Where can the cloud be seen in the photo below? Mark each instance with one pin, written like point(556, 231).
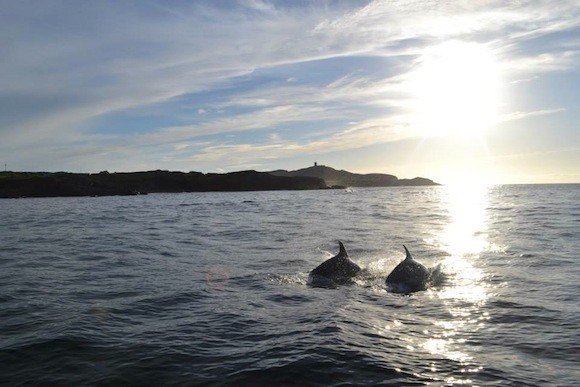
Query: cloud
point(358, 136)
point(543, 62)
point(274, 137)
point(349, 90)
point(104, 58)
point(525, 79)
point(67, 67)
point(257, 120)
point(258, 5)
point(521, 115)
point(180, 147)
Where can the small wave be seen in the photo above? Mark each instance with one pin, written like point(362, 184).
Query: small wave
point(192, 204)
point(92, 257)
point(316, 370)
point(160, 305)
point(285, 299)
point(513, 312)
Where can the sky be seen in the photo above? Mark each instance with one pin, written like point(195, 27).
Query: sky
point(454, 91)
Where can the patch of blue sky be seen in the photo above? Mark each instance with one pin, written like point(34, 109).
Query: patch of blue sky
point(555, 91)
point(565, 86)
point(130, 122)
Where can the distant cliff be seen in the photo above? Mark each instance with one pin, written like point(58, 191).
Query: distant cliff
point(334, 177)
point(29, 184)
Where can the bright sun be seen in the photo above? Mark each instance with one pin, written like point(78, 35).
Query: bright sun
point(455, 90)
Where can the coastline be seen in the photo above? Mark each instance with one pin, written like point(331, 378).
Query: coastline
point(65, 184)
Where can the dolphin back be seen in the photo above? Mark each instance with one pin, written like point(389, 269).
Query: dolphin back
point(338, 269)
point(408, 276)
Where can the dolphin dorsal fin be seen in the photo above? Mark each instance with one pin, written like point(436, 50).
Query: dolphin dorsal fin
point(342, 252)
point(408, 254)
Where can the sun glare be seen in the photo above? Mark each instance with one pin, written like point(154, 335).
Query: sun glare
point(465, 238)
point(455, 90)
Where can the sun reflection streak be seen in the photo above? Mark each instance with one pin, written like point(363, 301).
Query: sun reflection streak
point(466, 204)
point(460, 301)
point(464, 238)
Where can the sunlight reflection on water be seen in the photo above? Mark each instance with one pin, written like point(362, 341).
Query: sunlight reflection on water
point(464, 239)
point(466, 232)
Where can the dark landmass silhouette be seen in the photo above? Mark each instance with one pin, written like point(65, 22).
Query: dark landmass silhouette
point(27, 184)
point(334, 177)
point(47, 184)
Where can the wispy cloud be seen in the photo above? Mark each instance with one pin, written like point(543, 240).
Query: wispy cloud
point(256, 120)
point(260, 63)
point(357, 136)
point(521, 115)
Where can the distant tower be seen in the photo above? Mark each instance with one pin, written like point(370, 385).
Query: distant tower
point(315, 164)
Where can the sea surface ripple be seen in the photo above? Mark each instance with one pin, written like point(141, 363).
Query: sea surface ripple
point(210, 288)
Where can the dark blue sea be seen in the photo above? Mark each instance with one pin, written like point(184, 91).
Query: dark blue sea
point(210, 289)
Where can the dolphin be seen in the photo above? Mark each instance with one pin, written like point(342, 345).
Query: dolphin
point(336, 270)
point(409, 276)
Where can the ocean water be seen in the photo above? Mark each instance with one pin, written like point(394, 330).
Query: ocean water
point(211, 289)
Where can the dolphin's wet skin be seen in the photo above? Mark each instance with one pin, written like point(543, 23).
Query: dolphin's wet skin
point(408, 276)
point(338, 270)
